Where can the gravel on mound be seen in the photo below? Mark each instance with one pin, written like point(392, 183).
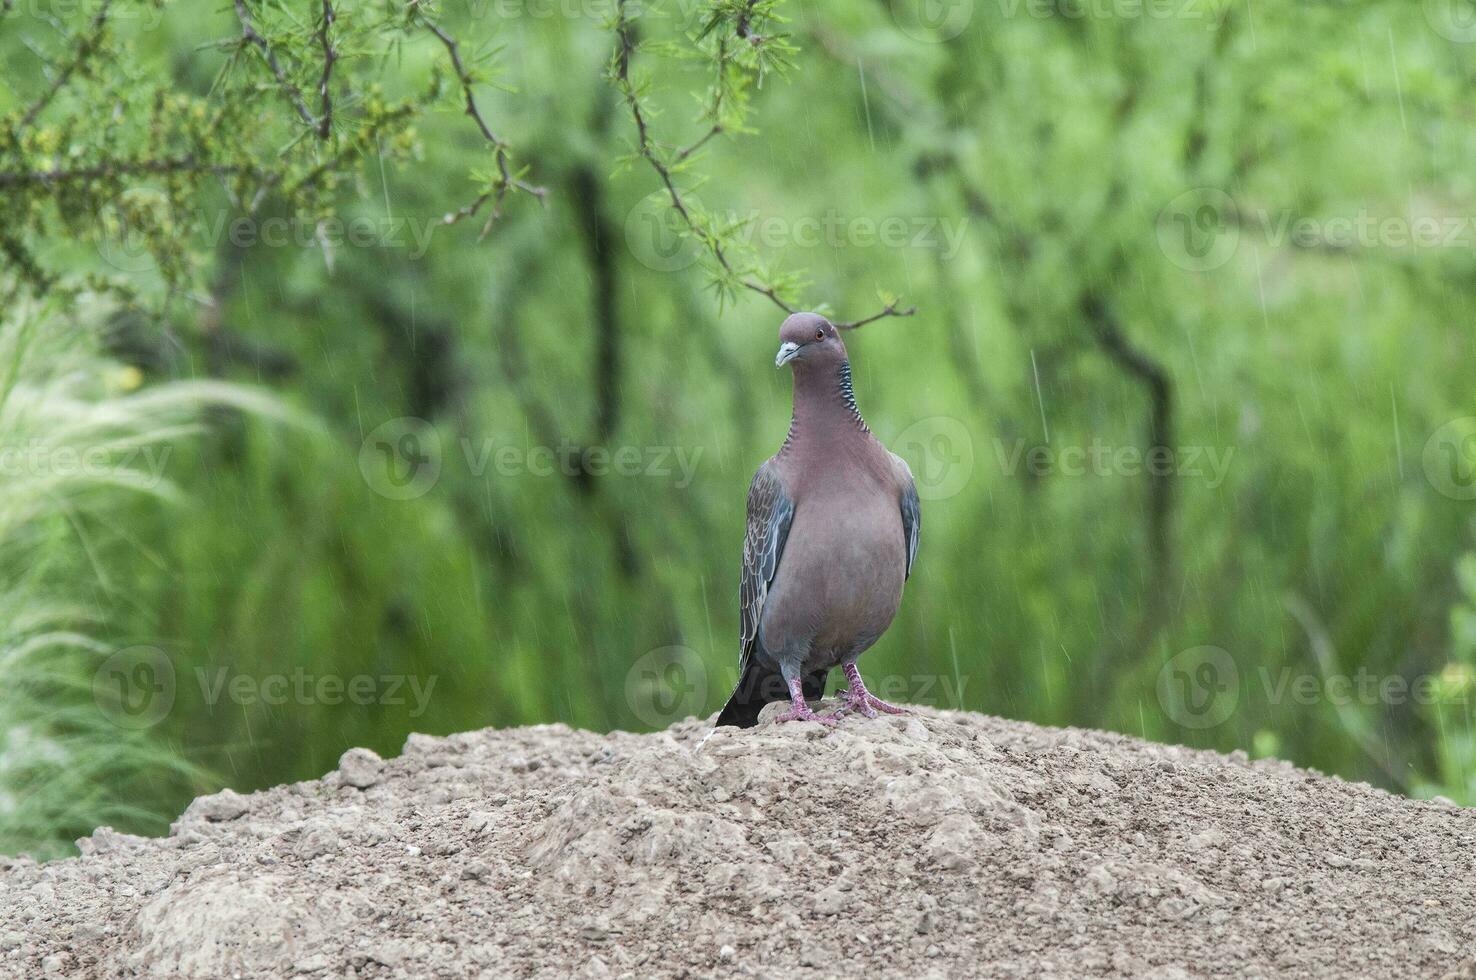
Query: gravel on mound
point(937, 844)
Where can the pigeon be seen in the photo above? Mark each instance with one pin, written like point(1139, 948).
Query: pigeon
point(833, 521)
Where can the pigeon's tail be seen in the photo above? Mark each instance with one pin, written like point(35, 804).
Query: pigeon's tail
point(760, 685)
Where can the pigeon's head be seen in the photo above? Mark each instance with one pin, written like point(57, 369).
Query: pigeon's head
point(809, 339)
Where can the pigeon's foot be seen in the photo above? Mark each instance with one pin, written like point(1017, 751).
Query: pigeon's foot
point(858, 699)
point(865, 704)
point(803, 712)
point(799, 710)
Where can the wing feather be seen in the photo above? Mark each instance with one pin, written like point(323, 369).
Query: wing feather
point(911, 516)
point(770, 514)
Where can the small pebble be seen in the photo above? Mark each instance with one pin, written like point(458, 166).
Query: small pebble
point(360, 768)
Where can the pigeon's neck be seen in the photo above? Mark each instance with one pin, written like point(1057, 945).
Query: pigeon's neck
point(824, 407)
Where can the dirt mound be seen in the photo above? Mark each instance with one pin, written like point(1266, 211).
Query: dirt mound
point(938, 844)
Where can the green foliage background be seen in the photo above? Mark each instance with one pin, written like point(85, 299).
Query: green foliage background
point(1146, 199)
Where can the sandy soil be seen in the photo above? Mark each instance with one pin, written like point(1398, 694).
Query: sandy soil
point(939, 844)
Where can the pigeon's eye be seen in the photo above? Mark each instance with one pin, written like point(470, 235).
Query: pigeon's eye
point(820, 334)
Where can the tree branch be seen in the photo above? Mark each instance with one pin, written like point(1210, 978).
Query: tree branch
point(1107, 331)
point(626, 45)
point(599, 241)
point(250, 35)
point(330, 55)
point(125, 168)
point(889, 310)
point(85, 48)
point(505, 177)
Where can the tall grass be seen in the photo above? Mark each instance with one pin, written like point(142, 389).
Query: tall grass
point(80, 443)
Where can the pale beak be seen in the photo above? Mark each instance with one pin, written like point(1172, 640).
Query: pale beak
point(788, 351)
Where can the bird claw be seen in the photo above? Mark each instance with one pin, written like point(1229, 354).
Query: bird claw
point(805, 713)
point(866, 704)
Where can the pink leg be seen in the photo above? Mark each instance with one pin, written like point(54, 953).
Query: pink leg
point(798, 709)
point(857, 698)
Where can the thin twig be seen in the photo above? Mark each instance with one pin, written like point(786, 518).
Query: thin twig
point(127, 168)
point(250, 35)
point(499, 149)
point(85, 48)
point(467, 210)
point(347, 148)
point(683, 154)
point(889, 310)
point(330, 55)
point(715, 110)
point(646, 149)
